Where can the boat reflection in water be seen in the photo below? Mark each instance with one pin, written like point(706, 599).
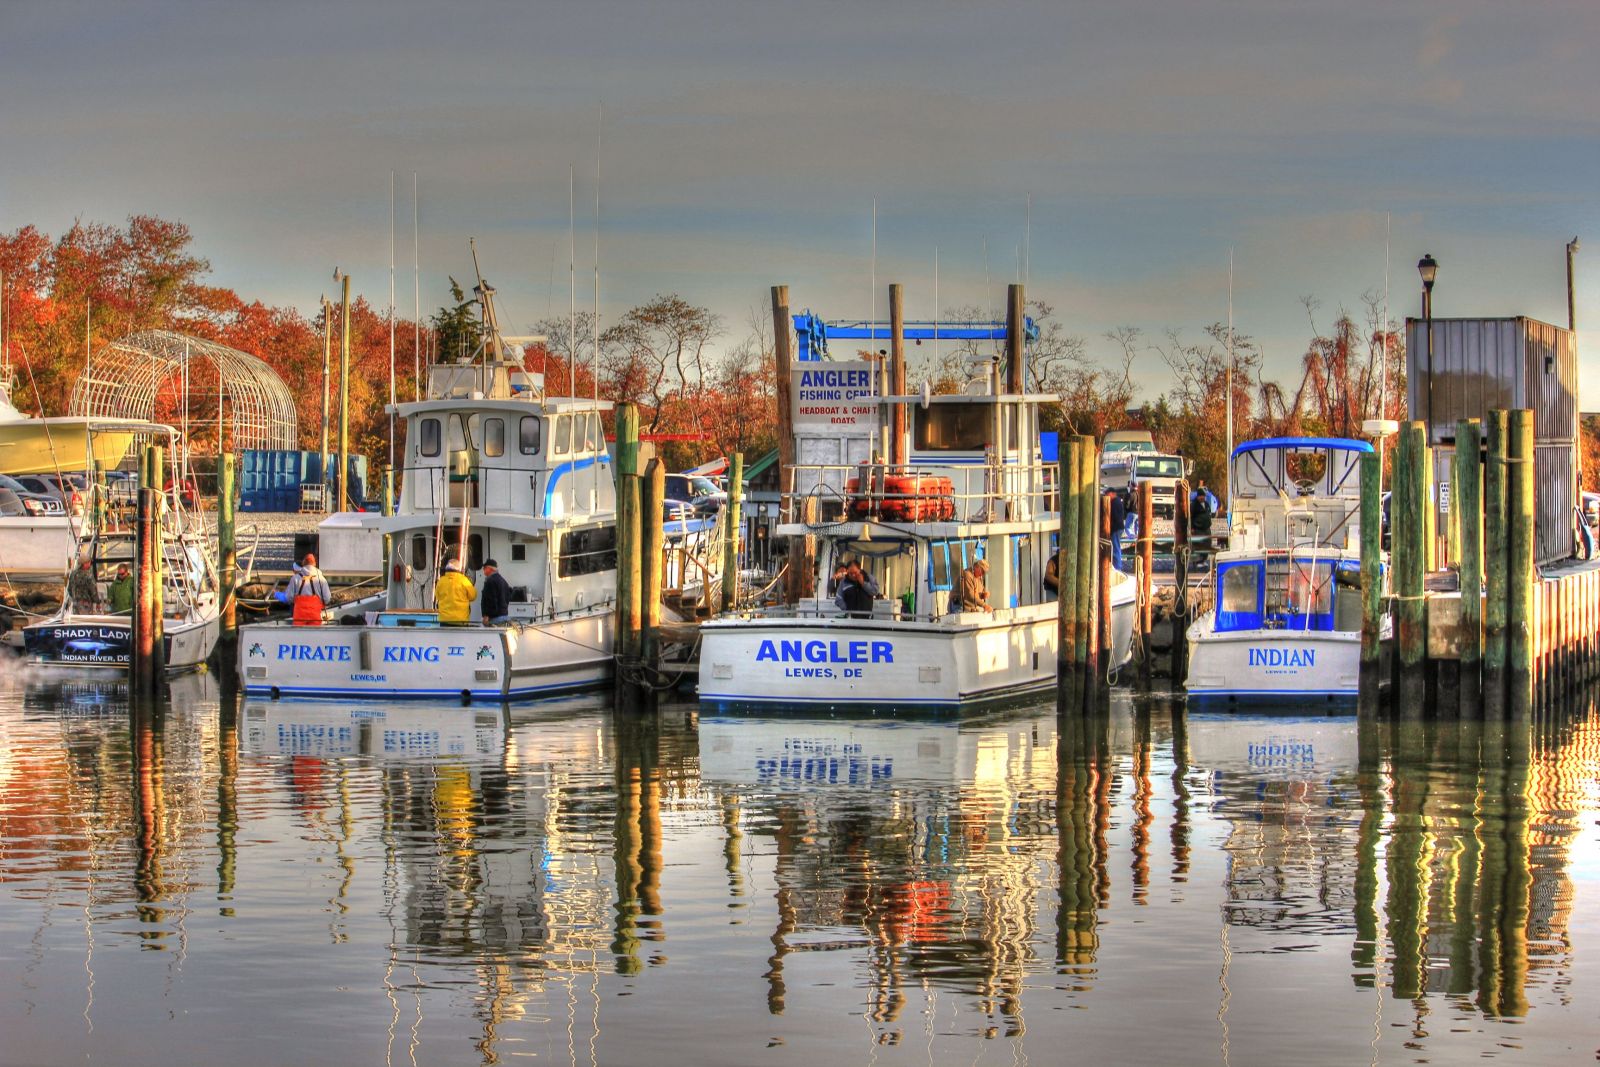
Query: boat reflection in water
point(473, 884)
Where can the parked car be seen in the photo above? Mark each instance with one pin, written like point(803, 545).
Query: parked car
point(696, 492)
point(1588, 531)
point(28, 502)
point(66, 488)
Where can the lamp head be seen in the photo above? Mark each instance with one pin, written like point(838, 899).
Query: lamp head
point(1428, 267)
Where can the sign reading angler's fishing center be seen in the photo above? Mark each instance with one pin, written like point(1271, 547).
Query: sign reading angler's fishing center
point(836, 395)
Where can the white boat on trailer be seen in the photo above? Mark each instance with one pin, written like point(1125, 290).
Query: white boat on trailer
point(494, 469)
point(1285, 623)
point(914, 528)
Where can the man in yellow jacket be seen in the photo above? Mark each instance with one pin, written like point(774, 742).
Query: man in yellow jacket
point(455, 595)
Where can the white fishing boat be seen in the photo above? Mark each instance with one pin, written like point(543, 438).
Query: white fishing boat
point(101, 639)
point(1285, 623)
point(494, 469)
point(914, 528)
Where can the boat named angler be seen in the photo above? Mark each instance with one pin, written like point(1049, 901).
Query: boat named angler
point(496, 473)
point(958, 514)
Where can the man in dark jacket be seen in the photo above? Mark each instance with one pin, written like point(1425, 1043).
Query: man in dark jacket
point(496, 606)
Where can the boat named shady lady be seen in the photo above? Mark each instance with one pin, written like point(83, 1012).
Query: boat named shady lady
point(494, 469)
point(1285, 624)
point(914, 528)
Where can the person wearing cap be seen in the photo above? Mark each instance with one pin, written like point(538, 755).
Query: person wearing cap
point(496, 607)
point(119, 594)
point(82, 589)
point(308, 593)
point(974, 588)
point(455, 595)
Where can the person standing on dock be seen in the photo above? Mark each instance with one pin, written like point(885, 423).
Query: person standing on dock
point(974, 587)
point(455, 595)
point(309, 593)
point(82, 589)
point(496, 594)
point(120, 592)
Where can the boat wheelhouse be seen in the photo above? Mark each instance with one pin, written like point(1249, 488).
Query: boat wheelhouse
point(914, 528)
point(1285, 622)
point(495, 469)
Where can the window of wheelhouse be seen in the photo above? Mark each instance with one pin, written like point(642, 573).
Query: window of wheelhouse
point(590, 434)
point(587, 552)
point(891, 564)
point(1239, 589)
point(561, 433)
point(528, 435)
point(458, 434)
point(494, 436)
point(429, 438)
point(421, 554)
point(953, 427)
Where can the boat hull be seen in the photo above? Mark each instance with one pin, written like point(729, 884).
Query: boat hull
point(1267, 666)
point(887, 666)
point(488, 663)
point(106, 642)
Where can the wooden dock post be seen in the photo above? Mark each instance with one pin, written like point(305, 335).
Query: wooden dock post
point(155, 461)
point(1066, 560)
point(899, 454)
point(1520, 646)
point(1496, 560)
point(799, 579)
point(1088, 538)
point(1147, 521)
point(142, 661)
point(1410, 534)
point(1180, 583)
point(227, 550)
point(1467, 507)
point(1100, 659)
point(730, 548)
point(1372, 599)
point(628, 561)
point(652, 502)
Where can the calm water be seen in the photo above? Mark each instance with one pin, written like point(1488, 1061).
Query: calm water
point(309, 883)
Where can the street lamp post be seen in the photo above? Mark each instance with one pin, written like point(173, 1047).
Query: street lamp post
point(1428, 267)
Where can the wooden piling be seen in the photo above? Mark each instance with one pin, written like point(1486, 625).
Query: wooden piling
point(1410, 534)
point(652, 503)
point(730, 548)
point(1520, 573)
point(142, 662)
point(1100, 662)
point(156, 465)
point(1088, 497)
point(1467, 507)
point(1016, 351)
point(1147, 521)
point(1372, 600)
point(898, 452)
point(1066, 560)
point(628, 557)
point(1496, 563)
point(1180, 583)
point(227, 550)
point(799, 580)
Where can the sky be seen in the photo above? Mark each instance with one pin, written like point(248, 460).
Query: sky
point(740, 145)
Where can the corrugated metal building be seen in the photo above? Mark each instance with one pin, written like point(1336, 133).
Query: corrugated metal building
point(1483, 364)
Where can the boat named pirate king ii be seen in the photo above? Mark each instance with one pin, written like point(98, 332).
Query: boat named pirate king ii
point(914, 528)
point(494, 470)
point(1286, 617)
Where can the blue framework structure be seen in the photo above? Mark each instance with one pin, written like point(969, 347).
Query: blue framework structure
point(814, 334)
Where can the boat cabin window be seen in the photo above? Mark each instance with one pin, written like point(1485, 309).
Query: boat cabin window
point(562, 434)
point(528, 435)
point(429, 438)
point(458, 434)
point(452, 541)
point(947, 559)
point(953, 427)
point(1239, 596)
point(892, 565)
point(421, 555)
point(588, 551)
point(1159, 467)
point(494, 437)
point(591, 434)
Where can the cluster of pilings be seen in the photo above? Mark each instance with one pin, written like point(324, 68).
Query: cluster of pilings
point(1508, 633)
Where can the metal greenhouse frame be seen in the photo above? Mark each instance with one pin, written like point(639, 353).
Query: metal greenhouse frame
point(127, 375)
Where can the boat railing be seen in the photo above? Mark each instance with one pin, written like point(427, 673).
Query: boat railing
point(918, 492)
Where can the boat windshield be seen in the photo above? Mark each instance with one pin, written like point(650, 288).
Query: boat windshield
point(1282, 592)
point(1159, 467)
